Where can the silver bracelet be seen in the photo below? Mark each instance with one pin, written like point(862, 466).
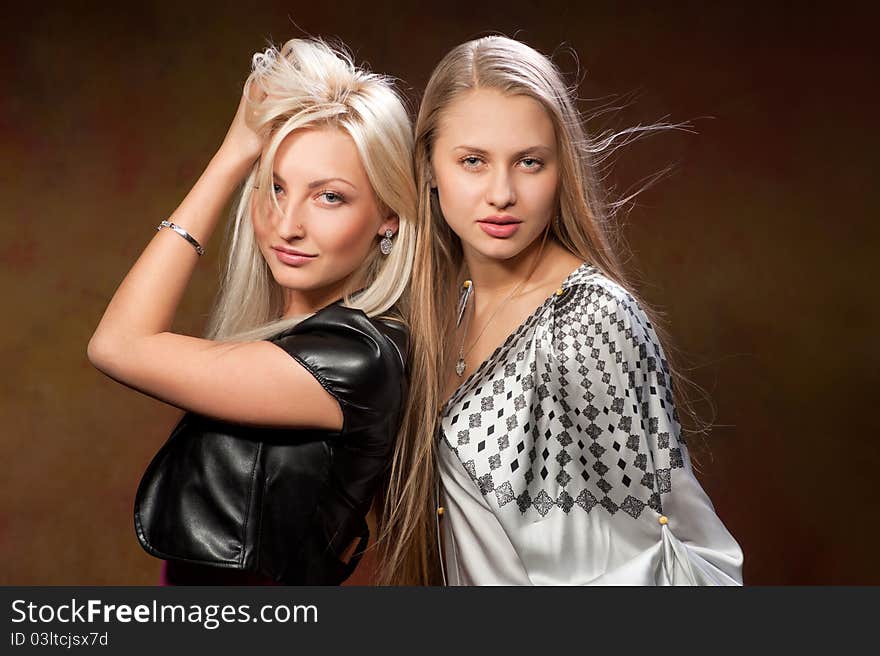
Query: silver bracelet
point(183, 233)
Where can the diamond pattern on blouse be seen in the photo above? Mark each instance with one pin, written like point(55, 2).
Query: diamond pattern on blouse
point(572, 411)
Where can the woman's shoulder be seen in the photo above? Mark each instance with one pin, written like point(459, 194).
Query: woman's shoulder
point(588, 294)
point(356, 358)
point(594, 313)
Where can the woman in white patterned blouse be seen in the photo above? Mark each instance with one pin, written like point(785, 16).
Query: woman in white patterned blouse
point(558, 456)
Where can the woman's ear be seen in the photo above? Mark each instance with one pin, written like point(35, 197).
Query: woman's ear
point(392, 223)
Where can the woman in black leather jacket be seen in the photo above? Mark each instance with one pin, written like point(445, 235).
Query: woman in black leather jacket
point(294, 397)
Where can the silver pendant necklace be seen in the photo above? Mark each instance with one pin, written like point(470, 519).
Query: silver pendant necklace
point(467, 290)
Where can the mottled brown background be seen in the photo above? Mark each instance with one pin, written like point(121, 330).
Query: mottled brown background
point(760, 247)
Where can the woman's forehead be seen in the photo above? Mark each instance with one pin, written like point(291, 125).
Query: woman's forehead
point(323, 152)
point(489, 119)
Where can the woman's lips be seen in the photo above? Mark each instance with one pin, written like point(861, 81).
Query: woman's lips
point(293, 259)
point(499, 230)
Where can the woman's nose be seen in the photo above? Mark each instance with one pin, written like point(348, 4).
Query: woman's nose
point(290, 223)
point(501, 193)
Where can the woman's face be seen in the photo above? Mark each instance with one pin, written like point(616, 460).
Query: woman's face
point(329, 213)
point(494, 163)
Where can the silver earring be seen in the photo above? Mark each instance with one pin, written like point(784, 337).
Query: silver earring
point(386, 244)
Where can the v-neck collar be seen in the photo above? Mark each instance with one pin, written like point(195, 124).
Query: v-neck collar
point(574, 278)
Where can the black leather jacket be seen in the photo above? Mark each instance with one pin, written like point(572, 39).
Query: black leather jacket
point(284, 503)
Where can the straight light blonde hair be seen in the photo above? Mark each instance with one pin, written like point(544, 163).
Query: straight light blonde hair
point(305, 84)
point(585, 228)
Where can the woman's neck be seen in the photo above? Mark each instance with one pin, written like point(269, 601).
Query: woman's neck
point(300, 302)
point(494, 277)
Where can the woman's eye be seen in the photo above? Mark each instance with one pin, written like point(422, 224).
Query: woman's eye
point(472, 161)
point(277, 188)
point(531, 163)
point(331, 197)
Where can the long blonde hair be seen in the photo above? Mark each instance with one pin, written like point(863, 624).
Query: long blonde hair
point(585, 229)
point(306, 84)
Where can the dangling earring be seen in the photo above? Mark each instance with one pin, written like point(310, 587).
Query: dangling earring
point(386, 244)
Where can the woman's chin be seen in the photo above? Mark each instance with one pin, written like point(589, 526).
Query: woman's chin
point(314, 285)
point(296, 280)
point(498, 249)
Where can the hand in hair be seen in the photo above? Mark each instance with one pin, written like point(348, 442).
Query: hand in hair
point(241, 142)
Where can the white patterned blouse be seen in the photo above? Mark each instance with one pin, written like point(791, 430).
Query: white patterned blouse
point(562, 462)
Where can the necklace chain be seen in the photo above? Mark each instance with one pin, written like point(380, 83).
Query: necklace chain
point(461, 365)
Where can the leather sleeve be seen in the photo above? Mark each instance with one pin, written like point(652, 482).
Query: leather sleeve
point(358, 360)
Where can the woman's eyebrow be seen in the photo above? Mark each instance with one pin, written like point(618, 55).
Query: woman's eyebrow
point(539, 148)
point(472, 149)
point(319, 183)
point(315, 183)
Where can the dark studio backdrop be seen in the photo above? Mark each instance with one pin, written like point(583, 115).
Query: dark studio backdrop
point(759, 247)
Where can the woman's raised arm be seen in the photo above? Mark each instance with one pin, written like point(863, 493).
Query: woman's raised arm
point(250, 382)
